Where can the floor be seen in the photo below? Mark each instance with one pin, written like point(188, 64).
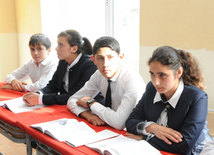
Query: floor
point(7, 147)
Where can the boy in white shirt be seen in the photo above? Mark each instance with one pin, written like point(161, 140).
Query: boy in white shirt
point(126, 88)
point(39, 69)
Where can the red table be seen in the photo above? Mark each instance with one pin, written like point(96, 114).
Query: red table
point(49, 113)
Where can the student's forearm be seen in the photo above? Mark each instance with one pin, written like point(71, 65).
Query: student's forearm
point(92, 118)
point(85, 114)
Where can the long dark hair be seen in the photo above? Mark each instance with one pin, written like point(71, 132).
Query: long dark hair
point(75, 39)
point(173, 58)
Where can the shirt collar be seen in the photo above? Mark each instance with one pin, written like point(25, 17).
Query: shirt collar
point(75, 61)
point(174, 99)
point(44, 62)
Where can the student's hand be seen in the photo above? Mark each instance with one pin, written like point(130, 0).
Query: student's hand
point(83, 102)
point(92, 118)
point(18, 85)
point(164, 133)
point(31, 98)
point(133, 136)
point(7, 86)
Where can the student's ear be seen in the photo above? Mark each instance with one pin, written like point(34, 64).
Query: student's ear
point(49, 50)
point(74, 49)
point(121, 55)
point(180, 72)
point(93, 58)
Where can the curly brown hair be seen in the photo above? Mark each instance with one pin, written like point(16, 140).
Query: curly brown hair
point(191, 74)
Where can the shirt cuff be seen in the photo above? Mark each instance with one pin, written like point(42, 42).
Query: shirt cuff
point(96, 107)
point(141, 127)
point(40, 98)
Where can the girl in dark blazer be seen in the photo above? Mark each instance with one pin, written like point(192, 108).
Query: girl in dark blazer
point(172, 113)
point(74, 69)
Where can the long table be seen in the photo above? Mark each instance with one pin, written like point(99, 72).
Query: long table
point(8, 126)
point(20, 123)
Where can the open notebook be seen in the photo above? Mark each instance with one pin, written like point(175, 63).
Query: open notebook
point(72, 132)
point(17, 105)
point(122, 145)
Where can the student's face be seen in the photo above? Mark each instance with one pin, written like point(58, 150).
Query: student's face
point(164, 79)
point(39, 53)
point(64, 50)
point(107, 61)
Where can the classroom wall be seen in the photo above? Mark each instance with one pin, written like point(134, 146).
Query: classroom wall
point(19, 19)
point(8, 38)
point(185, 24)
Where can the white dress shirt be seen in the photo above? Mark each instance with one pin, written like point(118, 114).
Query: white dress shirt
point(126, 90)
point(39, 75)
point(163, 119)
point(65, 79)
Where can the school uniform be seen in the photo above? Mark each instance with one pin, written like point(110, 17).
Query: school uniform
point(55, 92)
point(127, 88)
point(39, 74)
point(186, 114)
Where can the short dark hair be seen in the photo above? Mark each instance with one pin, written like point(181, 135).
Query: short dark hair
point(40, 39)
point(106, 41)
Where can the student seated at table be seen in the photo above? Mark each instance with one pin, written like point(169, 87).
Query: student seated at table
point(126, 88)
point(39, 69)
point(171, 114)
point(74, 69)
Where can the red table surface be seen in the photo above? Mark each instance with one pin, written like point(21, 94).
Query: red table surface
point(49, 113)
point(6, 94)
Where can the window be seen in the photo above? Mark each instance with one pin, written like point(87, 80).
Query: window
point(126, 29)
point(81, 15)
point(93, 19)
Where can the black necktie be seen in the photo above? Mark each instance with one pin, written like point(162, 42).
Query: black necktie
point(164, 100)
point(108, 95)
point(163, 118)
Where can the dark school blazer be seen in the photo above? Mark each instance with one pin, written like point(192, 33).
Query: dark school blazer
point(188, 117)
point(80, 73)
